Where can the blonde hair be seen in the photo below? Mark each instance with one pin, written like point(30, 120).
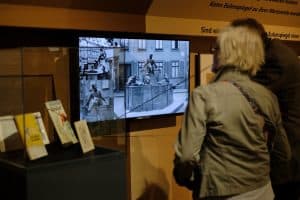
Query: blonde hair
point(242, 48)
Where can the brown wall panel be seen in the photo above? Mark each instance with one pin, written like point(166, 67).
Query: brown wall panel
point(62, 18)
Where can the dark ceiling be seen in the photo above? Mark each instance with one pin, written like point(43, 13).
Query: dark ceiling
point(120, 6)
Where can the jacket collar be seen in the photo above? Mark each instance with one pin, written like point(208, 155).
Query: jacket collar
point(230, 73)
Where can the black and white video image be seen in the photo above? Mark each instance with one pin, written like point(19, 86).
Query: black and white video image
point(132, 78)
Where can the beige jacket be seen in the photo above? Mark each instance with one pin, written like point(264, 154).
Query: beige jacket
point(221, 131)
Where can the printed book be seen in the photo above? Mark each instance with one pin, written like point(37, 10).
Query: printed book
point(60, 122)
point(31, 135)
point(85, 139)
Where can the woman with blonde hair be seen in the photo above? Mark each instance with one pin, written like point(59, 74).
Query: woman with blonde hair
point(221, 130)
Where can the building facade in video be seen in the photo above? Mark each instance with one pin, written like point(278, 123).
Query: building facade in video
point(130, 78)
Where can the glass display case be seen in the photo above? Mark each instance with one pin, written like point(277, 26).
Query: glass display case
point(35, 163)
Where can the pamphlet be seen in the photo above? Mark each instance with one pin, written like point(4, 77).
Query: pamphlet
point(31, 135)
point(39, 119)
point(61, 123)
point(85, 139)
point(10, 139)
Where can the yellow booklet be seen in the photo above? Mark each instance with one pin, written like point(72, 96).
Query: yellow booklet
point(31, 135)
point(40, 122)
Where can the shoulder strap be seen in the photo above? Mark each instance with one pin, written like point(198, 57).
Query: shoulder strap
point(269, 127)
point(250, 99)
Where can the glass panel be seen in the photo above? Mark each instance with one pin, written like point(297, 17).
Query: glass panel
point(11, 81)
point(11, 99)
point(101, 85)
point(32, 76)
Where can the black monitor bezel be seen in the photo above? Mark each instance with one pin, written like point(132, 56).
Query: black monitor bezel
point(74, 73)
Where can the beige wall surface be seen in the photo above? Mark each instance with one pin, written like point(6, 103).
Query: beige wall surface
point(283, 13)
point(152, 154)
point(199, 27)
point(207, 17)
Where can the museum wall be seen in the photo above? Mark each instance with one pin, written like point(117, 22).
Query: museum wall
point(150, 142)
point(281, 18)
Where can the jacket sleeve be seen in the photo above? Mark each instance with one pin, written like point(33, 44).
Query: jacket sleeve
point(193, 129)
point(282, 150)
point(280, 155)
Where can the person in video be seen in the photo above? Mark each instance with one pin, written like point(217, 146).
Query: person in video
point(281, 73)
point(102, 55)
point(222, 137)
point(150, 65)
point(131, 80)
point(95, 99)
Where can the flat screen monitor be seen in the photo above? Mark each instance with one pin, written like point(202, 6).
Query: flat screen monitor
point(132, 77)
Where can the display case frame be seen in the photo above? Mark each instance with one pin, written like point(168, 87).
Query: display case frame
point(30, 77)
